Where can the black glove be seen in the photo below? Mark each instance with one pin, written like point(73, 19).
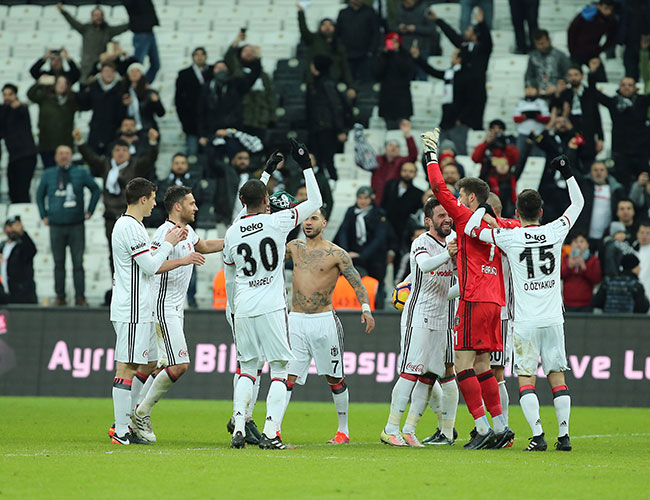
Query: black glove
point(561, 164)
point(488, 209)
point(272, 162)
point(300, 153)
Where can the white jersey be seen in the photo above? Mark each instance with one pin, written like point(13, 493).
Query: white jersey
point(132, 300)
point(427, 305)
point(507, 311)
point(170, 288)
point(534, 255)
point(255, 245)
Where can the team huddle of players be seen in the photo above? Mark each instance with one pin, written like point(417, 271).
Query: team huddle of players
point(476, 295)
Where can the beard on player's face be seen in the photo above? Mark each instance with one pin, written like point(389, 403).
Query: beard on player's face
point(312, 232)
point(443, 229)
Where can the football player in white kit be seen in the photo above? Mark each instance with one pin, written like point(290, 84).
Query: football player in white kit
point(423, 326)
point(132, 312)
point(170, 290)
point(534, 253)
point(254, 257)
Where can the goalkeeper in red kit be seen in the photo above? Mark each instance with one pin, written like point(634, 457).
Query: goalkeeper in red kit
point(477, 329)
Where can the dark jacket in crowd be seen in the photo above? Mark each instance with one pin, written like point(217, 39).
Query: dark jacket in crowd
point(55, 117)
point(142, 15)
point(585, 33)
point(260, 102)
point(159, 213)
point(94, 40)
point(587, 186)
point(149, 108)
point(335, 50)
point(587, 122)
point(544, 70)
point(358, 30)
point(16, 130)
point(398, 208)
point(108, 112)
point(621, 293)
point(188, 93)
point(114, 205)
point(20, 271)
point(71, 74)
point(325, 106)
point(221, 107)
point(53, 186)
point(425, 33)
point(394, 70)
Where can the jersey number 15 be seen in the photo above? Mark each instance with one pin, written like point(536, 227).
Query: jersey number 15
point(544, 255)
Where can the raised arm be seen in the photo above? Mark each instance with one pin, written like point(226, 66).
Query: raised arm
point(74, 23)
point(314, 198)
point(347, 269)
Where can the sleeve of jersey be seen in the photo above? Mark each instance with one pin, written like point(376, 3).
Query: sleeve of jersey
point(226, 254)
point(577, 202)
point(455, 208)
point(314, 198)
point(499, 237)
point(151, 263)
point(428, 263)
point(156, 241)
point(454, 292)
point(229, 274)
point(508, 223)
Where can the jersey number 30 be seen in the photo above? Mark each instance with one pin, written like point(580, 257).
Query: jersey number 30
point(544, 255)
point(269, 262)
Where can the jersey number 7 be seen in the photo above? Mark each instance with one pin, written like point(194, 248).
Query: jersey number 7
point(245, 250)
point(544, 255)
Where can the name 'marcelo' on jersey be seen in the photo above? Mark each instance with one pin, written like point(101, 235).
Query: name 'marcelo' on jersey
point(170, 288)
point(255, 245)
point(427, 305)
point(132, 300)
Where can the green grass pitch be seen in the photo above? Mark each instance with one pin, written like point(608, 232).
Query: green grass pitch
point(58, 448)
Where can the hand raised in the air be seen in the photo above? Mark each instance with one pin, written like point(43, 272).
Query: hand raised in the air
point(272, 163)
point(561, 164)
point(300, 154)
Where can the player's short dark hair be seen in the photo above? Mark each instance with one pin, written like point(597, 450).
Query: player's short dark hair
point(538, 34)
point(175, 194)
point(576, 235)
point(430, 206)
point(577, 67)
point(202, 49)
point(529, 203)
point(475, 185)
point(253, 192)
point(323, 212)
point(137, 188)
point(128, 118)
point(119, 142)
point(11, 87)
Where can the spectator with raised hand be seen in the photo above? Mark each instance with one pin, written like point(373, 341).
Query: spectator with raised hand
point(466, 8)
point(640, 194)
point(58, 59)
point(524, 11)
point(326, 109)
point(417, 30)
point(116, 170)
point(358, 30)
point(394, 70)
point(260, 102)
point(189, 83)
point(17, 253)
point(117, 56)
point(16, 130)
point(326, 42)
point(142, 19)
point(65, 213)
point(57, 105)
point(546, 64)
point(580, 273)
point(586, 31)
point(389, 164)
point(475, 46)
point(140, 101)
point(630, 131)
point(622, 292)
point(94, 35)
point(531, 116)
point(104, 98)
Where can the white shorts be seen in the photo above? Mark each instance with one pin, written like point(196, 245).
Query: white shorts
point(318, 336)
point(172, 346)
point(422, 350)
point(264, 337)
point(530, 343)
point(450, 357)
point(135, 342)
point(502, 358)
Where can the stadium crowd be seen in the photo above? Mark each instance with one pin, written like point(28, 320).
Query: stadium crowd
point(228, 109)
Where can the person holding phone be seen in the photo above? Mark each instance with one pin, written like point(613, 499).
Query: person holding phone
point(580, 274)
point(61, 64)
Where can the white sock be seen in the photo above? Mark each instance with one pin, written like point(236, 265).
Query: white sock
point(275, 404)
point(243, 395)
point(449, 405)
point(499, 423)
point(435, 402)
point(482, 425)
point(286, 403)
point(122, 405)
point(419, 398)
point(562, 412)
point(145, 388)
point(530, 406)
point(398, 402)
point(256, 391)
point(160, 386)
point(235, 378)
point(505, 399)
point(341, 397)
point(136, 388)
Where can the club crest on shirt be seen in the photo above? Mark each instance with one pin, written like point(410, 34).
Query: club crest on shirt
point(334, 351)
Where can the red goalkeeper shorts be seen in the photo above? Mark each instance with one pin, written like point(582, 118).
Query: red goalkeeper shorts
point(477, 327)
